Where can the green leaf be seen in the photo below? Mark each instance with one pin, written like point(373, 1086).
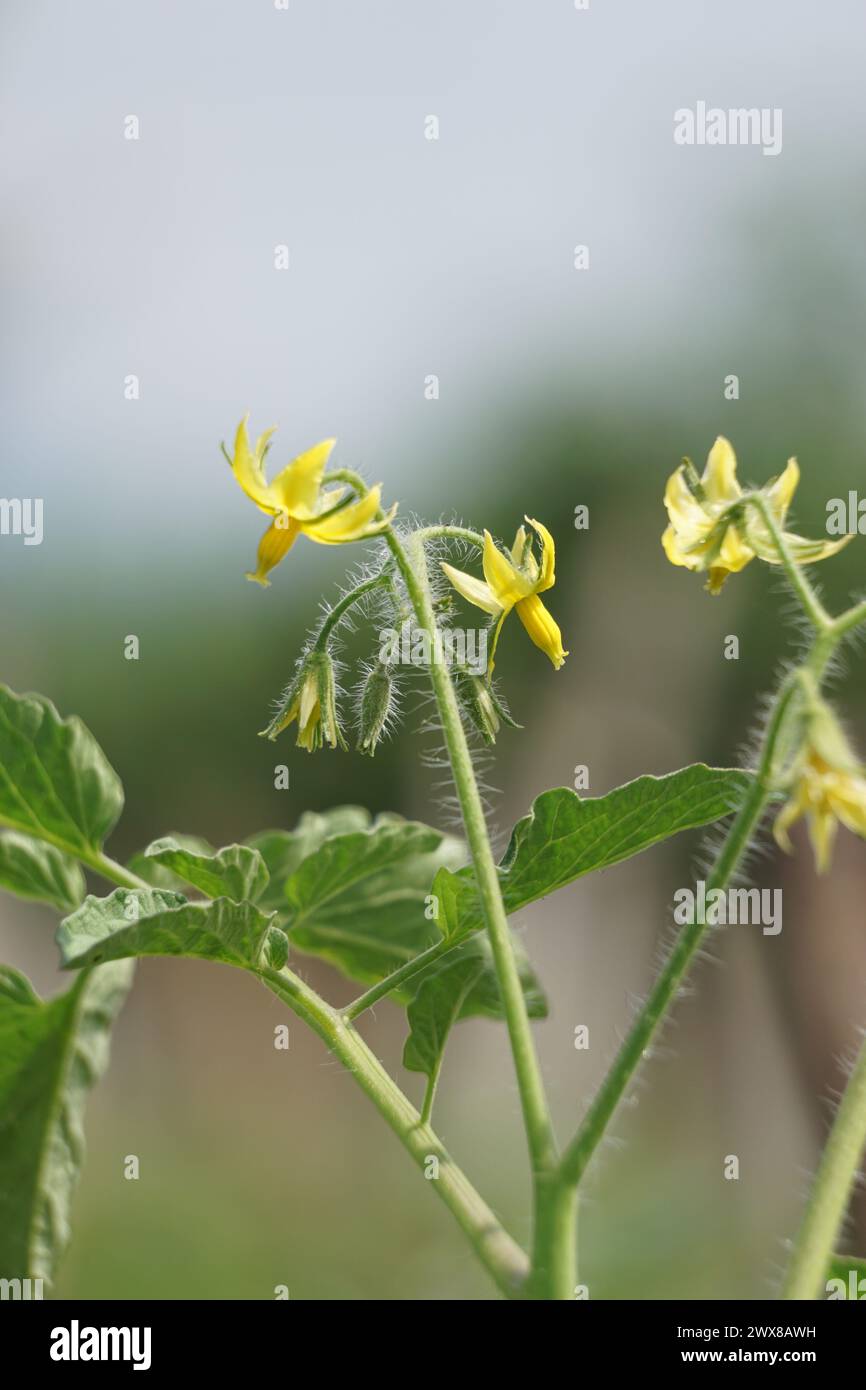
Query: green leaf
point(236, 872)
point(156, 875)
point(153, 922)
point(358, 900)
point(32, 869)
point(55, 782)
point(462, 985)
point(850, 1269)
point(51, 1053)
point(565, 837)
point(284, 850)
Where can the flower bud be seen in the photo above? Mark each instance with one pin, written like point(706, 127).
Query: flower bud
point(377, 699)
point(484, 709)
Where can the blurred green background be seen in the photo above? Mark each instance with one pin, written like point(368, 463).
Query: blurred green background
point(557, 388)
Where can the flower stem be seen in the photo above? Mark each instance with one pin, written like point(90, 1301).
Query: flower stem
point(536, 1116)
point(341, 608)
point(812, 605)
point(837, 1172)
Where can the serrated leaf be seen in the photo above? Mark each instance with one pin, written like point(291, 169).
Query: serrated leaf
point(850, 1270)
point(462, 985)
point(284, 850)
point(358, 900)
point(153, 922)
point(55, 782)
point(32, 869)
point(51, 1053)
point(566, 836)
point(237, 872)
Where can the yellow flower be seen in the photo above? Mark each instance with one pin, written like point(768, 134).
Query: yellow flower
point(712, 529)
point(299, 504)
point(826, 795)
point(515, 581)
point(312, 701)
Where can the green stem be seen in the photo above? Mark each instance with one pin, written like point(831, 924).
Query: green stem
point(553, 1273)
point(847, 621)
point(430, 1093)
point(812, 605)
point(530, 1084)
point(340, 608)
point(536, 1115)
point(632, 1050)
point(500, 1255)
point(453, 533)
point(498, 1252)
point(828, 1202)
point(397, 978)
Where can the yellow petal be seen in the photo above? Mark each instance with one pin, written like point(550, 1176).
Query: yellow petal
point(847, 797)
point(684, 509)
point(734, 554)
point(548, 557)
point(541, 628)
point(248, 470)
point(519, 546)
point(352, 523)
point(720, 475)
point(506, 583)
point(297, 487)
point(802, 550)
point(273, 546)
point(475, 590)
point(790, 812)
point(780, 491)
point(822, 833)
point(693, 556)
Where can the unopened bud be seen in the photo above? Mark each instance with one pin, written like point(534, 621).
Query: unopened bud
point(377, 696)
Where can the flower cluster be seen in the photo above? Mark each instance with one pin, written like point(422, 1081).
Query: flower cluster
point(335, 508)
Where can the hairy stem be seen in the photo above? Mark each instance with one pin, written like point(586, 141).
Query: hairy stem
point(831, 1192)
point(503, 1259)
point(533, 1100)
point(812, 605)
point(500, 1255)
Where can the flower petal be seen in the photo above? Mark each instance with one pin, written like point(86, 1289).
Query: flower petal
point(693, 556)
point(273, 546)
point(734, 554)
point(543, 630)
point(248, 470)
point(475, 590)
point(684, 509)
point(780, 491)
point(803, 551)
point(720, 475)
point(548, 557)
point(297, 487)
point(822, 832)
point(353, 523)
point(507, 583)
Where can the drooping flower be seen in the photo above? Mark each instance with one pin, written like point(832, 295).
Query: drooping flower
point(713, 528)
point(311, 700)
point(515, 581)
point(828, 786)
point(298, 502)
